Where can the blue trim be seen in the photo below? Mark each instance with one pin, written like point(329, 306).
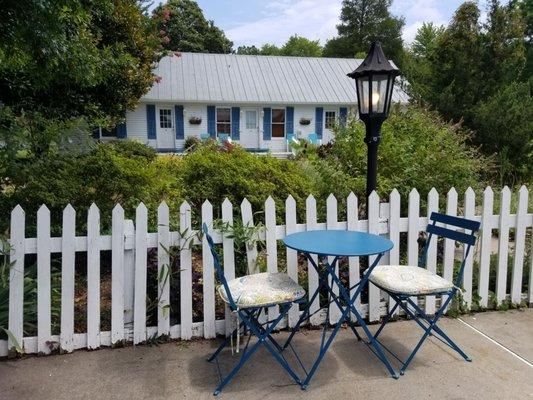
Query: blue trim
point(319, 121)
point(122, 131)
point(180, 125)
point(343, 116)
point(289, 121)
point(150, 121)
point(211, 121)
point(267, 123)
point(235, 123)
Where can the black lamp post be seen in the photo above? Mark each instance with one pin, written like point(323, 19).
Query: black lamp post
point(374, 80)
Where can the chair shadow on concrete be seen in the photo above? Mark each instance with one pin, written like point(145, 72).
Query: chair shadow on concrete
point(262, 371)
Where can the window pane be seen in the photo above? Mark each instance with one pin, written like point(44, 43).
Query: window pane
point(165, 118)
point(278, 115)
point(330, 119)
point(223, 115)
point(223, 128)
point(251, 119)
point(278, 130)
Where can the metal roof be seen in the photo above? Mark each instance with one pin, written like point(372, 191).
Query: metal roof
point(232, 78)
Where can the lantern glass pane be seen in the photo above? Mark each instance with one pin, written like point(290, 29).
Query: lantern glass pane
point(379, 93)
point(362, 94)
point(389, 94)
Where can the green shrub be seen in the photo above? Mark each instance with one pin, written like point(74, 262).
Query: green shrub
point(418, 150)
point(214, 173)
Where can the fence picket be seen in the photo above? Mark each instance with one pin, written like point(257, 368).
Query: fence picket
point(271, 246)
point(449, 245)
point(208, 276)
point(354, 273)
point(139, 302)
point(117, 275)
point(413, 229)
point(129, 278)
point(93, 277)
point(470, 205)
point(332, 223)
point(431, 261)
point(163, 270)
point(486, 246)
point(312, 275)
point(292, 255)
point(186, 271)
point(44, 332)
point(251, 249)
point(68, 254)
point(520, 242)
point(374, 293)
point(503, 245)
point(229, 256)
point(394, 232)
point(16, 276)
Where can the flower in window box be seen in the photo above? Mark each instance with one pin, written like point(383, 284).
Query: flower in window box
point(305, 121)
point(195, 120)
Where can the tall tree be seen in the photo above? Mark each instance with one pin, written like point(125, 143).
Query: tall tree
point(426, 38)
point(363, 21)
point(67, 59)
point(183, 27)
point(301, 47)
point(248, 50)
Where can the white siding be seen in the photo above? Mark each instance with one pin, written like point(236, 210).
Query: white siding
point(137, 124)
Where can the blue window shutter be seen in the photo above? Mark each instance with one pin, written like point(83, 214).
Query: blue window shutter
point(290, 120)
point(150, 121)
point(343, 115)
point(122, 131)
point(211, 121)
point(180, 126)
point(235, 122)
point(319, 121)
point(267, 123)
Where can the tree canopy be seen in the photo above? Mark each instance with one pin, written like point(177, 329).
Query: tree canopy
point(67, 58)
point(183, 27)
point(362, 22)
point(296, 46)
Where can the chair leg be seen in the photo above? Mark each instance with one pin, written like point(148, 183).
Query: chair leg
point(223, 344)
point(432, 326)
point(250, 320)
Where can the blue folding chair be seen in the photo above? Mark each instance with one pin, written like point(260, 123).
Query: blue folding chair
point(247, 296)
point(403, 282)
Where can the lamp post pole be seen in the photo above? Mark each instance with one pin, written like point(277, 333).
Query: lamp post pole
point(372, 139)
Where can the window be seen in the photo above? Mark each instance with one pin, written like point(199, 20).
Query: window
point(102, 132)
point(278, 122)
point(329, 119)
point(251, 119)
point(165, 118)
point(223, 121)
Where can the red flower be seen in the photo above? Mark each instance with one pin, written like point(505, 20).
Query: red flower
point(177, 53)
point(166, 39)
point(158, 79)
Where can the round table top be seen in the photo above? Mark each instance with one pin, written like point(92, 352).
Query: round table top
point(338, 243)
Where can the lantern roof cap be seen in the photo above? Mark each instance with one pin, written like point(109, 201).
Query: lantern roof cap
point(375, 62)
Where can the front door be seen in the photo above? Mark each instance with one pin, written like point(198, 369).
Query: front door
point(330, 119)
point(249, 136)
point(165, 128)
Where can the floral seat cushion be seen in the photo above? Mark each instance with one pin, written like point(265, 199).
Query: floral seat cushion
point(407, 279)
point(262, 289)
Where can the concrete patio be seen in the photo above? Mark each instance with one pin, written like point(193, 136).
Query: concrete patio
point(178, 370)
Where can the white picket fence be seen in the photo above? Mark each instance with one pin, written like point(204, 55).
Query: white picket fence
point(130, 242)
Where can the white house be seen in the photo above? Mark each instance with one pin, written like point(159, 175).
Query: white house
point(259, 101)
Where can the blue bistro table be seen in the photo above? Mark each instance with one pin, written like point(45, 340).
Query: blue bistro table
point(339, 244)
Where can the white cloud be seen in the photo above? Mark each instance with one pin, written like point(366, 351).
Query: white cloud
point(416, 12)
point(313, 19)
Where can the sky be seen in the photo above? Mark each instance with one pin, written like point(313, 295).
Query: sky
point(255, 22)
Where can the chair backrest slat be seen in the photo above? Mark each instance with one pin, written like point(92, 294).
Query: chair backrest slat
point(455, 221)
point(451, 234)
